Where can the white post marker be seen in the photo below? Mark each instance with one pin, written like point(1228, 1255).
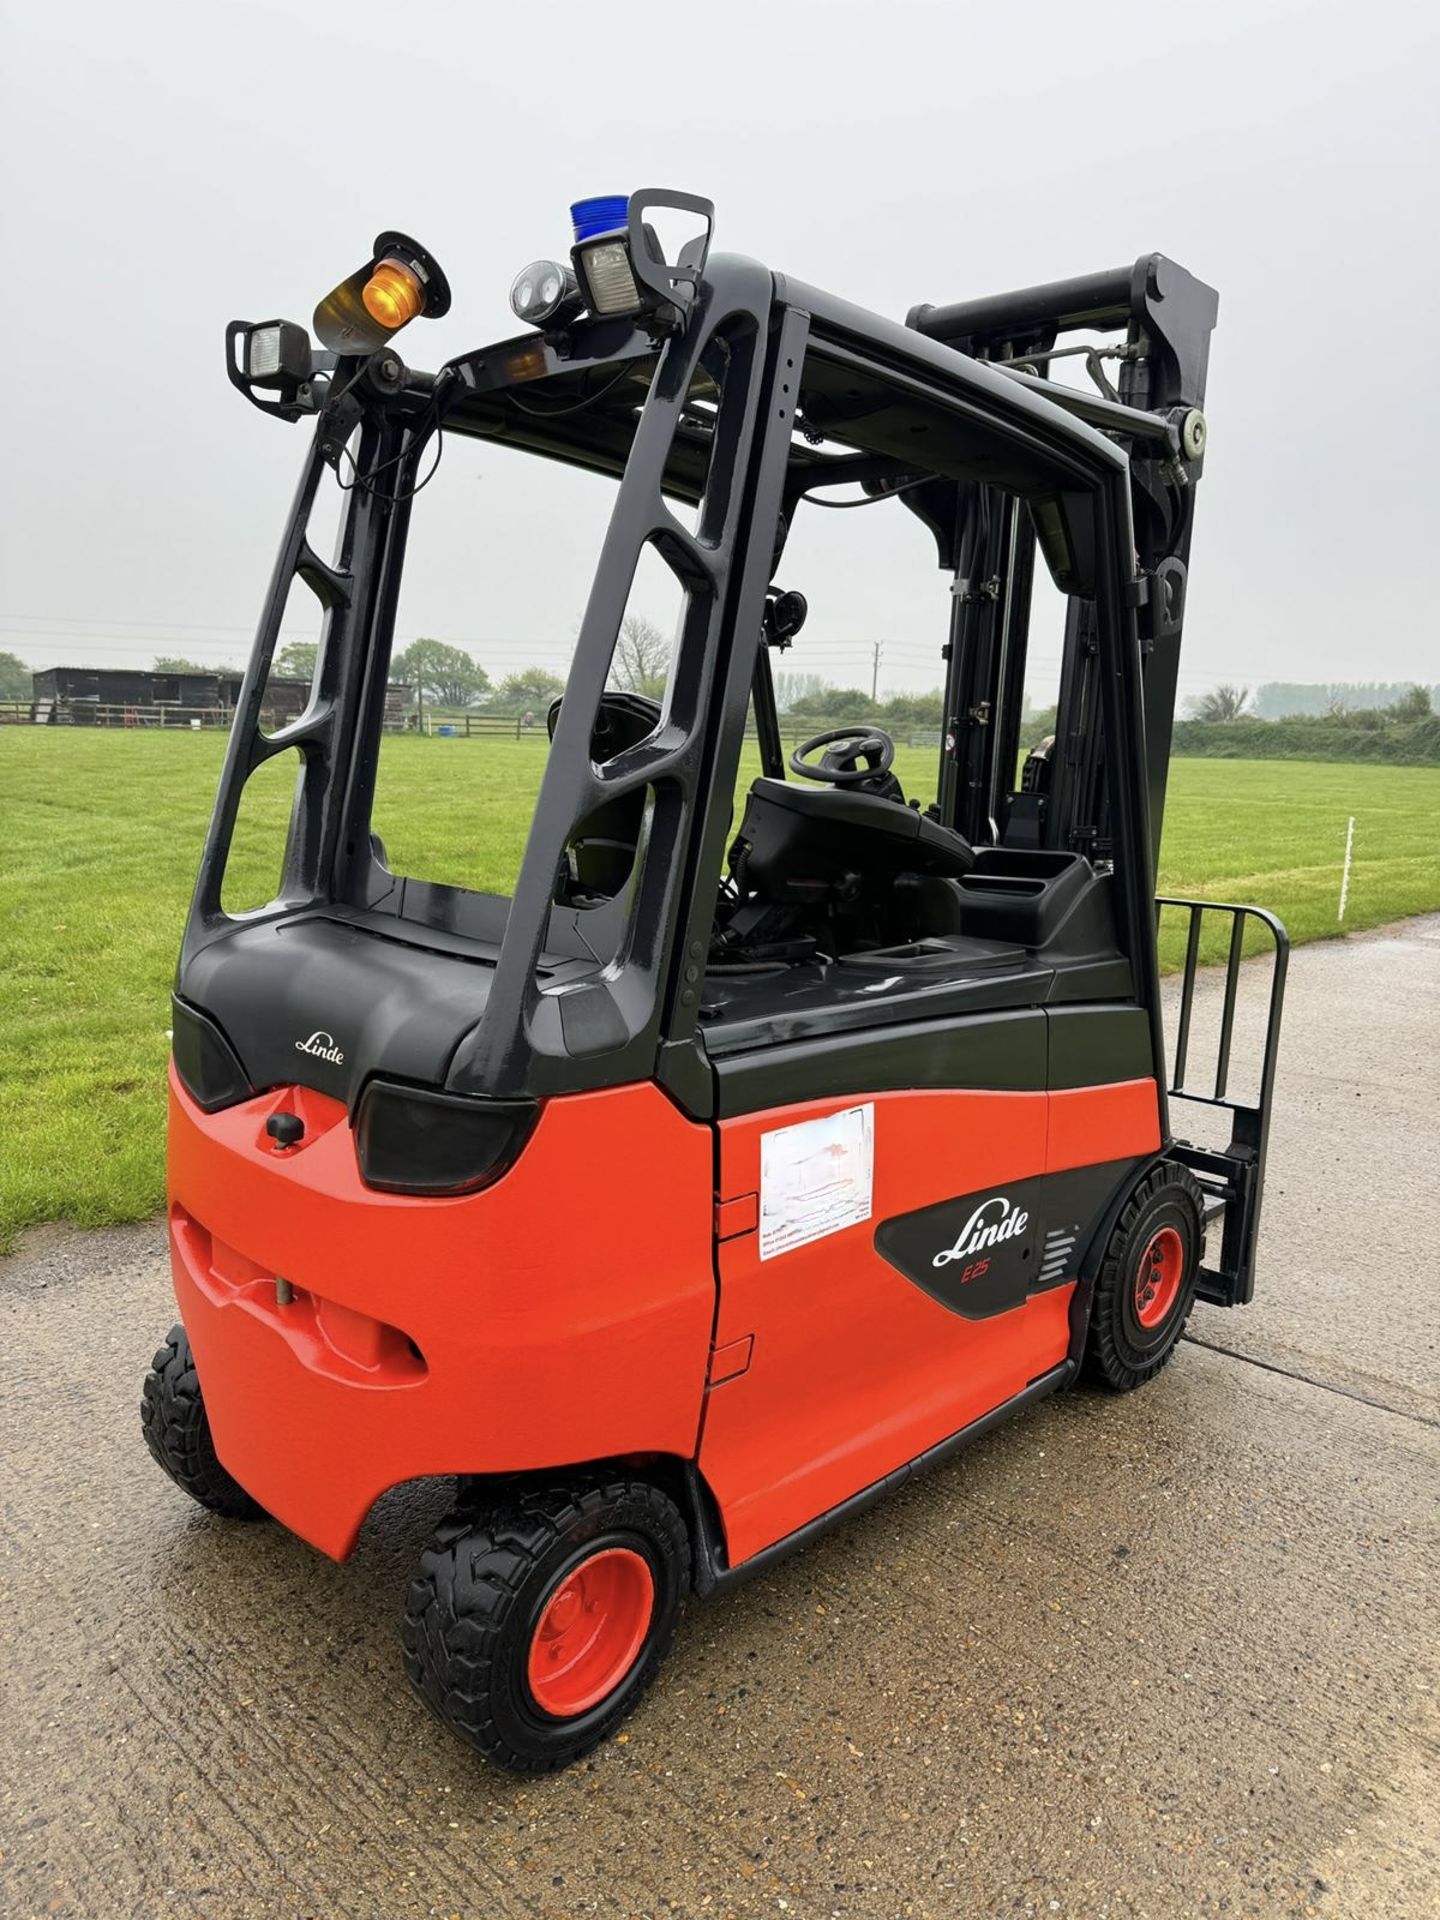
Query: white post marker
point(1345, 872)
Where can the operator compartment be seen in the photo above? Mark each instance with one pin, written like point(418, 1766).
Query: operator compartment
point(938, 852)
point(558, 881)
point(848, 905)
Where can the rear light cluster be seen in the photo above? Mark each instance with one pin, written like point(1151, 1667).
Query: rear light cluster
point(407, 1139)
point(414, 1140)
point(208, 1066)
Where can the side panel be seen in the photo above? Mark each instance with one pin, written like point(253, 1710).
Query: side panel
point(856, 1367)
point(563, 1314)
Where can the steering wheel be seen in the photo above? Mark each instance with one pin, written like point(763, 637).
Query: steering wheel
point(841, 765)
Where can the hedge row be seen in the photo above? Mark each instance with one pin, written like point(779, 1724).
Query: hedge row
point(1405, 743)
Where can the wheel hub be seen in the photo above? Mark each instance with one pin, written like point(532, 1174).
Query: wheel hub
point(1158, 1277)
point(590, 1631)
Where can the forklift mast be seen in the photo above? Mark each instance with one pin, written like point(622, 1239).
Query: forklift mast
point(1155, 320)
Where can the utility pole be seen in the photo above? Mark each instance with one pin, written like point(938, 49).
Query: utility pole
point(875, 672)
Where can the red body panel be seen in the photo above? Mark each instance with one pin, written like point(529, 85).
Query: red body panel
point(1088, 1124)
point(567, 1313)
point(854, 1369)
point(563, 1314)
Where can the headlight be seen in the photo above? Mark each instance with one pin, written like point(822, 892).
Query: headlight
point(544, 292)
point(416, 1140)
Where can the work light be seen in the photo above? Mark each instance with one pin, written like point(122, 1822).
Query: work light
point(543, 293)
point(273, 364)
point(397, 284)
point(277, 355)
point(618, 265)
point(602, 254)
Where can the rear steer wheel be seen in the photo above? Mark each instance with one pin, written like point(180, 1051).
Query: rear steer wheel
point(1146, 1285)
point(177, 1432)
point(534, 1625)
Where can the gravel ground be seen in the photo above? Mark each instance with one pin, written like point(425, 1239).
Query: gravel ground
point(1167, 1655)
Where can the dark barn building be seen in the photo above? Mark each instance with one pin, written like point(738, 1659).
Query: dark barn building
point(137, 696)
point(141, 697)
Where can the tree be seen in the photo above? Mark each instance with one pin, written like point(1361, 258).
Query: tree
point(796, 689)
point(445, 675)
point(1222, 703)
point(1413, 704)
point(642, 657)
point(177, 663)
point(296, 661)
point(1332, 699)
point(14, 677)
point(853, 703)
point(1036, 724)
point(529, 690)
point(916, 709)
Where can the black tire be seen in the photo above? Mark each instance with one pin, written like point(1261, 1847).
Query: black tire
point(1120, 1352)
point(172, 1418)
point(485, 1581)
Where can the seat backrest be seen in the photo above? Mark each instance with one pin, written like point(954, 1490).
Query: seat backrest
point(602, 848)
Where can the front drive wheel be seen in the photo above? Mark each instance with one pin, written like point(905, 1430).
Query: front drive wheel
point(177, 1432)
point(533, 1627)
point(1146, 1285)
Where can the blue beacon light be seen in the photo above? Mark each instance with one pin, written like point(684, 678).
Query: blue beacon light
point(606, 213)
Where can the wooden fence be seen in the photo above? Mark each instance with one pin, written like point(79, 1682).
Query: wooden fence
point(96, 713)
point(471, 726)
point(441, 725)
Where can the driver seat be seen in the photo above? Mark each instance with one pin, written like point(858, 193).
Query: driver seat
point(796, 843)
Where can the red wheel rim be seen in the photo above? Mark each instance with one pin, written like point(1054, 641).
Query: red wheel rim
point(1157, 1281)
point(591, 1629)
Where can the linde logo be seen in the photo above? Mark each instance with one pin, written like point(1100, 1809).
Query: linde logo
point(985, 1228)
point(323, 1046)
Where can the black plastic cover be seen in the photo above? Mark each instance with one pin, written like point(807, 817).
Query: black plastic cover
point(325, 1004)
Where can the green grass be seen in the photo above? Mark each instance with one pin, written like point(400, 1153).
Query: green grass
point(102, 832)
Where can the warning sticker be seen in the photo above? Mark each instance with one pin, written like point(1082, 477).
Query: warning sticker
point(815, 1178)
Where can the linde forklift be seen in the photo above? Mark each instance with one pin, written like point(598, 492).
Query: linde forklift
point(734, 1168)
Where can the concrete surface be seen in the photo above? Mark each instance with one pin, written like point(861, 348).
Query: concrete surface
point(1168, 1655)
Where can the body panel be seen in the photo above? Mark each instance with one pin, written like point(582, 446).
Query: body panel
point(855, 1369)
point(562, 1314)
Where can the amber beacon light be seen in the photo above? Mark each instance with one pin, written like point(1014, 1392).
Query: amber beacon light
point(393, 295)
point(399, 283)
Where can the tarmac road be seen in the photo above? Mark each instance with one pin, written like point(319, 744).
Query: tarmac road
point(1168, 1655)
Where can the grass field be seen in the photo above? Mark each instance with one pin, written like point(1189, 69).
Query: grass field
point(102, 832)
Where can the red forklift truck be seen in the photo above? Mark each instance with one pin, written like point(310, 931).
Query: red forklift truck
point(725, 1175)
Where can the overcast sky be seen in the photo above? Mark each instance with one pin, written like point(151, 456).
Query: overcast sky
point(168, 167)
